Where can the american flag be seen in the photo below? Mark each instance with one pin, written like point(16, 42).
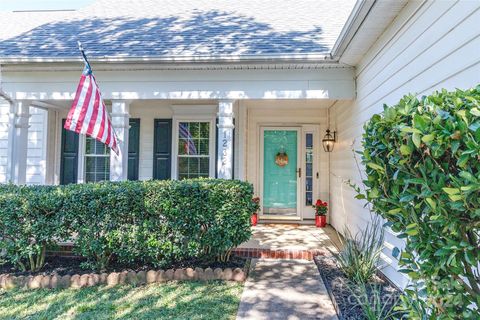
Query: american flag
point(88, 114)
point(189, 145)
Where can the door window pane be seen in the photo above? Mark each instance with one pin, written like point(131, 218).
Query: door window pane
point(193, 149)
point(309, 169)
point(97, 161)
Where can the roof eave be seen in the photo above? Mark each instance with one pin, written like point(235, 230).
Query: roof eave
point(276, 58)
point(358, 15)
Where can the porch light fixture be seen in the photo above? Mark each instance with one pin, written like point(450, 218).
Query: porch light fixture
point(328, 141)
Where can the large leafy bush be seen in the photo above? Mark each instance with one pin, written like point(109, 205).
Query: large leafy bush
point(422, 159)
point(100, 216)
point(208, 217)
point(154, 222)
point(30, 220)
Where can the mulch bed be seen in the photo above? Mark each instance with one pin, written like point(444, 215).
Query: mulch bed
point(338, 288)
point(72, 265)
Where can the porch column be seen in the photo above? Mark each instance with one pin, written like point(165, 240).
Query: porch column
point(18, 141)
point(120, 122)
point(225, 140)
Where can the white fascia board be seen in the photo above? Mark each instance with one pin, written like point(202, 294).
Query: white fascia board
point(274, 58)
point(333, 83)
point(355, 20)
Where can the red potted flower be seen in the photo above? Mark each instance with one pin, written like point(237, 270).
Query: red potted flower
point(256, 205)
point(321, 209)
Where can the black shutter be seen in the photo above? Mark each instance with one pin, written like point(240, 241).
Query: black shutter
point(162, 149)
point(69, 156)
point(133, 149)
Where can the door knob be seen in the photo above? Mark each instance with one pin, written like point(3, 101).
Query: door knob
point(299, 172)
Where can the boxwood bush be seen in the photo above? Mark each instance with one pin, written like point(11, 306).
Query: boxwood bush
point(154, 222)
point(30, 220)
point(422, 159)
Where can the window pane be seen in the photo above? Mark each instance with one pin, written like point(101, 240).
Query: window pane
point(89, 146)
point(193, 167)
point(204, 166)
point(308, 200)
point(193, 147)
point(309, 138)
point(93, 146)
point(204, 147)
point(309, 169)
point(204, 130)
point(182, 165)
point(183, 146)
point(195, 129)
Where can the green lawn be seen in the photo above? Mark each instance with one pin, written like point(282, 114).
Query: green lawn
point(184, 300)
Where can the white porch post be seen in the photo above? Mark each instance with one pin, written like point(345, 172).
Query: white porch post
point(225, 140)
point(120, 122)
point(18, 142)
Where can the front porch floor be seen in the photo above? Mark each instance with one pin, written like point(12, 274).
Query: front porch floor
point(289, 241)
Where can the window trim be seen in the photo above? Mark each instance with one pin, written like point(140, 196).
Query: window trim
point(211, 144)
point(82, 154)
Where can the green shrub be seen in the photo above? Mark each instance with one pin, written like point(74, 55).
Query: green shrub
point(100, 216)
point(30, 220)
point(422, 159)
point(202, 217)
point(360, 254)
point(153, 222)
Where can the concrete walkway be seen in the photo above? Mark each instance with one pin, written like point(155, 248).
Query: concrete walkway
point(285, 289)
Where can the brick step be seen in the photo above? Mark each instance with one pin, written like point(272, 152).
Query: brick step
point(308, 254)
point(279, 253)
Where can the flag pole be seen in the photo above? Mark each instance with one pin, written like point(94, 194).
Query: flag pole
point(80, 47)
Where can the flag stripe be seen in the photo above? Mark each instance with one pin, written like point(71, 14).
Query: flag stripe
point(84, 108)
point(88, 114)
point(75, 102)
point(93, 118)
point(78, 106)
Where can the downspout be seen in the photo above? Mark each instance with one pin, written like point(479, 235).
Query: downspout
point(11, 127)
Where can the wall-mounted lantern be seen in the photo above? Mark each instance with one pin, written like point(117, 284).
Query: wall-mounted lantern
point(328, 141)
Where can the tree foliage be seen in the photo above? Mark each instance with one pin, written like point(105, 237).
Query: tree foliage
point(422, 160)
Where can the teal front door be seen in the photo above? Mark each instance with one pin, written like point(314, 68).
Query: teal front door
point(280, 172)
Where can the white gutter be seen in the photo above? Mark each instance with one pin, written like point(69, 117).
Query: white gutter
point(297, 58)
point(359, 13)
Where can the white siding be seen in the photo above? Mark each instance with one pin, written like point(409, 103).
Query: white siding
point(430, 45)
point(4, 111)
point(37, 146)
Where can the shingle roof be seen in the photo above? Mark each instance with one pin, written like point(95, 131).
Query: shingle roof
point(177, 28)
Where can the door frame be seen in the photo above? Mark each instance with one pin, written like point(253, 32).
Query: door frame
point(298, 129)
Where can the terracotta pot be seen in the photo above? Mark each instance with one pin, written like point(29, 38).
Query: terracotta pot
point(254, 219)
point(320, 221)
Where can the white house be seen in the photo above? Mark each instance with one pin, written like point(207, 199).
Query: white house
point(231, 89)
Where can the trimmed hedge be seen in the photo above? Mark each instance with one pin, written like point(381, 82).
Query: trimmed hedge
point(422, 159)
point(153, 222)
point(30, 220)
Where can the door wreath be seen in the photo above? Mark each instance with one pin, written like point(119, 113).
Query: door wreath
point(281, 159)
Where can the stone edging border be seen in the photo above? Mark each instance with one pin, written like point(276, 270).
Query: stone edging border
point(77, 281)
